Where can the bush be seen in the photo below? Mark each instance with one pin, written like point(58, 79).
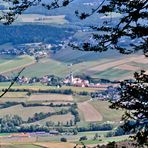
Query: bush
point(83, 138)
point(63, 139)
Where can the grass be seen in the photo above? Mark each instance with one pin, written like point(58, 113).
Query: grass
point(57, 118)
point(104, 140)
point(4, 134)
point(107, 113)
point(15, 63)
point(78, 98)
point(25, 112)
point(15, 95)
point(50, 97)
point(58, 65)
point(143, 66)
point(38, 86)
point(91, 134)
point(46, 68)
point(112, 73)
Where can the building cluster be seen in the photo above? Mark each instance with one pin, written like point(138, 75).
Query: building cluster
point(90, 4)
point(70, 80)
point(78, 82)
point(4, 78)
point(32, 49)
point(111, 93)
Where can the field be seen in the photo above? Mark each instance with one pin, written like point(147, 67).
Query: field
point(24, 112)
point(107, 113)
point(4, 145)
point(50, 97)
point(38, 86)
point(56, 145)
point(89, 112)
point(42, 19)
point(10, 64)
point(104, 140)
point(57, 118)
point(54, 142)
point(97, 66)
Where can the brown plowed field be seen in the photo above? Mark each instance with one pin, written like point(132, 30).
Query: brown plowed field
point(89, 112)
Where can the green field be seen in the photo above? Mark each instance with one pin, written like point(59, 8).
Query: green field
point(107, 113)
point(8, 64)
point(112, 73)
point(82, 63)
point(104, 140)
point(38, 86)
point(51, 66)
point(71, 139)
point(24, 112)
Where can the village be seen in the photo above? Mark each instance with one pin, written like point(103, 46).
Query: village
point(111, 89)
point(38, 50)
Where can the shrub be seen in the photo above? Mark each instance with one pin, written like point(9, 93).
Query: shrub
point(63, 139)
point(83, 138)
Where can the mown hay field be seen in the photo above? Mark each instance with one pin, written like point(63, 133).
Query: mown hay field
point(50, 97)
point(89, 112)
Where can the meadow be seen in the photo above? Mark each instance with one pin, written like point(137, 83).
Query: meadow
point(82, 63)
point(51, 142)
point(41, 19)
point(107, 113)
point(90, 111)
point(12, 63)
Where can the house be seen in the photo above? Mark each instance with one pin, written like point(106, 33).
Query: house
point(54, 132)
point(23, 80)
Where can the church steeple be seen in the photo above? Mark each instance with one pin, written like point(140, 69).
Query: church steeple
point(71, 78)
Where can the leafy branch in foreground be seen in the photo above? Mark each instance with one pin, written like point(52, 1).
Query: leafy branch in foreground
point(134, 99)
point(17, 7)
point(130, 27)
point(12, 83)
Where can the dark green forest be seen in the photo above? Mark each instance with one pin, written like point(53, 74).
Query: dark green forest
point(18, 34)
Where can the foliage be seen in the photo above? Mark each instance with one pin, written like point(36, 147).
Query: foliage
point(129, 28)
point(83, 138)
point(33, 33)
point(134, 99)
point(10, 124)
point(63, 139)
point(96, 127)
